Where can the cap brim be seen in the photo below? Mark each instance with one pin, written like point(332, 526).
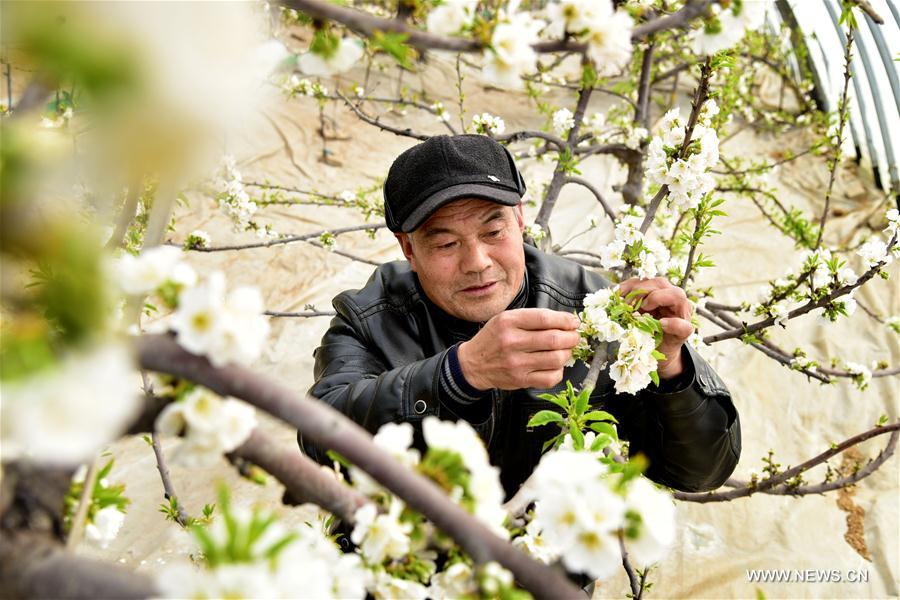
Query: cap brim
point(506, 197)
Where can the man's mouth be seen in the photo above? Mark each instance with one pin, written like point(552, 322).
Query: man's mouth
point(477, 290)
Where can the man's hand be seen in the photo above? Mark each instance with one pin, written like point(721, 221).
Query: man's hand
point(671, 306)
point(520, 348)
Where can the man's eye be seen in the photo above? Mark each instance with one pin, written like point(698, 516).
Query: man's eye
point(494, 233)
point(446, 246)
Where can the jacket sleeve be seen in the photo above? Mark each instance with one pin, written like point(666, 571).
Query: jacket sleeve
point(691, 435)
point(351, 376)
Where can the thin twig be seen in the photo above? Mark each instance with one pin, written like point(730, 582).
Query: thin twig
point(181, 516)
point(839, 138)
point(802, 310)
point(290, 239)
point(84, 504)
point(773, 483)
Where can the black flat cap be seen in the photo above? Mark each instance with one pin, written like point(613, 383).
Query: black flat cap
point(445, 168)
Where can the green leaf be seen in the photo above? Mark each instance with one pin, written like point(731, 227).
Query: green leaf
point(604, 428)
point(599, 415)
point(559, 400)
point(600, 442)
point(543, 417)
point(577, 436)
point(581, 402)
point(551, 441)
point(655, 377)
point(395, 45)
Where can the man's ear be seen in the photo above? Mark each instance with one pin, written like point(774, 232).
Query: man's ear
point(520, 217)
point(406, 246)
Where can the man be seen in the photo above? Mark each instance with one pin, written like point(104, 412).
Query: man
point(475, 324)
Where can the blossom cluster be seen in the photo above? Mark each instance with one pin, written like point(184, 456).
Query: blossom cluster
point(686, 175)
point(648, 256)
point(233, 199)
point(329, 59)
point(451, 16)
point(607, 31)
point(636, 357)
point(297, 86)
point(250, 554)
point(396, 543)
point(65, 414)
point(725, 27)
point(225, 328)
point(487, 123)
point(581, 507)
point(211, 426)
point(563, 121)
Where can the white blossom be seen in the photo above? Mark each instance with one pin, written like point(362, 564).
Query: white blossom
point(488, 123)
point(733, 23)
point(212, 426)
point(345, 56)
point(105, 525)
point(381, 537)
point(862, 375)
point(64, 414)
point(893, 218)
point(577, 512)
point(450, 16)
point(456, 581)
point(634, 362)
point(225, 329)
point(779, 312)
point(510, 53)
point(394, 588)
point(563, 121)
point(396, 439)
point(657, 521)
point(144, 273)
point(535, 232)
point(484, 478)
point(873, 252)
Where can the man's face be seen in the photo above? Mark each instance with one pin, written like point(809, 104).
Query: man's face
point(469, 257)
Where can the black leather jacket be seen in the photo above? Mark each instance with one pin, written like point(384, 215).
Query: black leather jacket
point(381, 357)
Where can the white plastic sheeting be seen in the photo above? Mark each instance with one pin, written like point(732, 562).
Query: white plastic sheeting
point(875, 88)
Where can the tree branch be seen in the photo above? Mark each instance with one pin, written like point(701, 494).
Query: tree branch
point(181, 516)
point(33, 567)
point(327, 428)
point(777, 483)
point(290, 239)
point(304, 479)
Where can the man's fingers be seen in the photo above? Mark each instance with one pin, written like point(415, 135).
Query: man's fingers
point(672, 298)
point(551, 339)
point(678, 328)
point(543, 379)
point(547, 360)
point(647, 285)
point(535, 319)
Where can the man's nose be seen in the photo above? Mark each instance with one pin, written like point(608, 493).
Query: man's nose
point(476, 258)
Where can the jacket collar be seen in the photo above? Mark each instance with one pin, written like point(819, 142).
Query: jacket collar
point(463, 329)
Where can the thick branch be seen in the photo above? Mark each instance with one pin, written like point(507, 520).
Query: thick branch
point(302, 477)
point(327, 428)
point(32, 567)
point(367, 25)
